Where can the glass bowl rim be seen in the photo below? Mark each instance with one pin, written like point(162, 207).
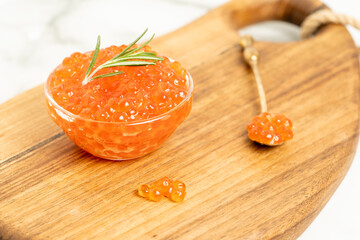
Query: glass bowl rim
point(138, 122)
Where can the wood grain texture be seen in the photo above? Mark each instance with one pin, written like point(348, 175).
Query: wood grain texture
point(50, 189)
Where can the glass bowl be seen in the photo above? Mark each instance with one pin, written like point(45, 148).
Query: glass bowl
point(120, 140)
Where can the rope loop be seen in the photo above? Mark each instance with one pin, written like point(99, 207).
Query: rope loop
point(312, 23)
point(321, 17)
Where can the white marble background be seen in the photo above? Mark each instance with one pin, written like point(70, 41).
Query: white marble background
point(35, 35)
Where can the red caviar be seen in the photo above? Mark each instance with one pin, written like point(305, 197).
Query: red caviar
point(123, 116)
point(175, 190)
point(140, 93)
point(270, 129)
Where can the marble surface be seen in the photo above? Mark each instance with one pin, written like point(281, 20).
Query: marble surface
point(37, 34)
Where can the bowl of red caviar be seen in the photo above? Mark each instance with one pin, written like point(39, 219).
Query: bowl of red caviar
point(126, 111)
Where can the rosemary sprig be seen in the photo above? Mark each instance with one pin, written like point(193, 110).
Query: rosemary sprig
point(127, 57)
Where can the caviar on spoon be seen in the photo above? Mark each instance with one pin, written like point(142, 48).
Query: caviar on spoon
point(269, 129)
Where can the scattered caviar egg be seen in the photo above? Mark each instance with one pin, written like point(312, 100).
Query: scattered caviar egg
point(155, 194)
point(123, 116)
point(165, 184)
point(270, 129)
point(178, 192)
point(144, 190)
point(174, 190)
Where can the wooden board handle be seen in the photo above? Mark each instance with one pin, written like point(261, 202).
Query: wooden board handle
point(245, 12)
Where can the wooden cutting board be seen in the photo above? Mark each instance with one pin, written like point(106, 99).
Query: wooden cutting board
point(50, 189)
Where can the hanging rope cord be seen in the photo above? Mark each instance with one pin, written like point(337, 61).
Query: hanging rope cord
point(321, 17)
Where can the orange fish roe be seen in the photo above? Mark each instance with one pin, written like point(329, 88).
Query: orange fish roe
point(175, 190)
point(119, 117)
point(270, 129)
point(142, 92)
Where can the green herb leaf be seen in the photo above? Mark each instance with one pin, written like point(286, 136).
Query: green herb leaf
point(108, 75)
point(128, 57)
point(129, 63)
point(94, 57)
point(131, 44)
point(143, 57)
point(138, 48)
